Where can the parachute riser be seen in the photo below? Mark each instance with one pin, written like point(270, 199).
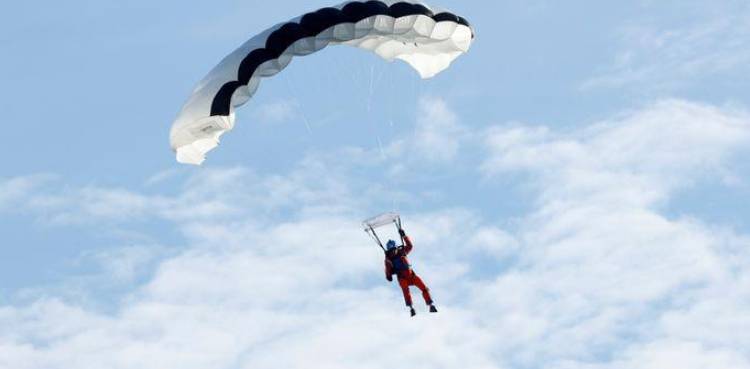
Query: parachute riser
point(374, 235)
point(397, 222)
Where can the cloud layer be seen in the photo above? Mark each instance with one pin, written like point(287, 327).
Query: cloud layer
point(275, 272)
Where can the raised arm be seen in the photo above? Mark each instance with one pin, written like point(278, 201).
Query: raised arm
point(408, 246)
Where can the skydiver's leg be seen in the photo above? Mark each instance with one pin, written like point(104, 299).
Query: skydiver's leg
point(425, 291)
point(404, 283)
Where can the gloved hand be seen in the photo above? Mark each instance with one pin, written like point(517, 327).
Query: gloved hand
point(401, 232)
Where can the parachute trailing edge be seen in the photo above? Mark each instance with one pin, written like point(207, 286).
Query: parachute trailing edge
point(427, 40)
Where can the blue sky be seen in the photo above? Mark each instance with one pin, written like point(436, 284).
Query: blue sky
point(575, 185)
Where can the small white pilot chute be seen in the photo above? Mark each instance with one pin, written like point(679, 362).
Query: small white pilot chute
point(382, 220)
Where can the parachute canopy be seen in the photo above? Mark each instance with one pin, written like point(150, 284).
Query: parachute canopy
point(427, 39)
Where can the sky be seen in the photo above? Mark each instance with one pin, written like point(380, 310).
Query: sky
point(576, 188)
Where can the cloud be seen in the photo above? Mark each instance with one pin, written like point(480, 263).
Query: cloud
point(210, 195)
point(278, 111)
point(599, 264)
point(639, 159)
point(714, 41)
point(289, 289)
point(13, 191)
point(124, 264)
point(438, 133)
point(275, 272)
point(682, 354)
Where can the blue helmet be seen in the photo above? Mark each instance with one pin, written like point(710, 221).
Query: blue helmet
point(390, 245)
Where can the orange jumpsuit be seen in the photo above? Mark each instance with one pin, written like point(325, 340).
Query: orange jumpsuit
point(397, 263)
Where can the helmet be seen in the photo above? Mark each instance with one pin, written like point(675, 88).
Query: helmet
point(390, 245)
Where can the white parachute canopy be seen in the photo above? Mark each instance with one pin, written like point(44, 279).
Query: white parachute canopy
point(426, 39)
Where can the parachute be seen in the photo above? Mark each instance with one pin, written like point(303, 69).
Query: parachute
point(427, 39)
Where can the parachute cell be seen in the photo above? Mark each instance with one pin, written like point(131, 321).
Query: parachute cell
point(410, 31)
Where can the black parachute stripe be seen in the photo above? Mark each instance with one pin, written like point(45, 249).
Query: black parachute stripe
point(423, 10)
point(278, 41)
point(318, 21)
point(357, 11)
point(464, 21)
point(380, 7)
point(251, 62)
point(223, 98)
point(399, 10)
point(311, 25)
point(446, 17)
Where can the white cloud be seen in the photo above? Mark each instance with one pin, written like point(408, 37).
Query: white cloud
point(280, 297)
point(638, 159)
point(278, 111)
point(599, 264)
point(164, 176)
point(678, 354)
point(714, 40)
point(437, 140)
point(13, 191)
point(125, 264)
point(594, 277)
point(438, 133)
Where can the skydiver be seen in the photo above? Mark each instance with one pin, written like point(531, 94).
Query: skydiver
point(397, 263)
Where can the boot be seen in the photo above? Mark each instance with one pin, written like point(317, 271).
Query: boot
point(412, 311)
point(433, 309)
